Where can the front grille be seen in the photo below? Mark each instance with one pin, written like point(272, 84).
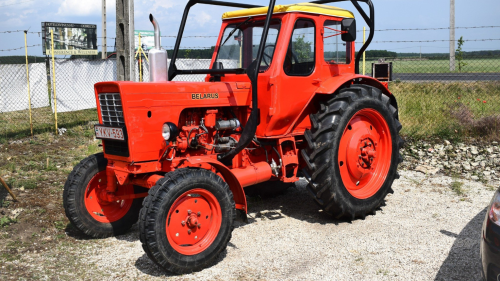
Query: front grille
point(111, 109)
point(119, 148)
point(112, 115)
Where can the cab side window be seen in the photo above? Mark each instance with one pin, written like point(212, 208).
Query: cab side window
point(336, 51)
point(300, 56)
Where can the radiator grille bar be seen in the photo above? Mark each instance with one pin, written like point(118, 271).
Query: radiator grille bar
point(111, 109)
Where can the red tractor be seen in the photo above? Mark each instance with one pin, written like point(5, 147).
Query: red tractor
point(282, 99)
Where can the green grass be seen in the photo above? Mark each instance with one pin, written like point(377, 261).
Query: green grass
point(437, 66)
point(457, 187)
point(450, 110)
point(17, 123)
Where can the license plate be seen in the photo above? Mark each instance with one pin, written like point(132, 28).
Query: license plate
point(109, 133)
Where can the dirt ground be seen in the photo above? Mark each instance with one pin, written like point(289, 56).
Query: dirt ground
point(427, 230)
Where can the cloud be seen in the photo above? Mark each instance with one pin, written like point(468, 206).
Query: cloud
point(84, 8)
point(203, 18)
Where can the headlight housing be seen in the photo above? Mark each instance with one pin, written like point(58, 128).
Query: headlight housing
point(494, 211)
point(169, 131)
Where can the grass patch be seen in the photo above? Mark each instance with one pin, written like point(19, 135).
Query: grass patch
point(449, 110)
point(457, 187)
point(5, 221)
point(16, 124)
point(29, 183)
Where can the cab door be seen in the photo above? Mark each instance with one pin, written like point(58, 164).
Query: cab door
point(297, 79)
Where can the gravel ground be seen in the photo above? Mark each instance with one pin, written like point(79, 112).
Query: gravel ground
point(426, 231)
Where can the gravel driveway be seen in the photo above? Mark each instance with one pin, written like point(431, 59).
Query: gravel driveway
point(426, 231)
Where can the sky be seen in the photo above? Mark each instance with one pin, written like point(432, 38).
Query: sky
point(206, 20)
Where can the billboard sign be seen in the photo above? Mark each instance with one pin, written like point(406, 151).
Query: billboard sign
point(70, 38)
point(147, 39)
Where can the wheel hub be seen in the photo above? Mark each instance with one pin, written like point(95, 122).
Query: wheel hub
point(192, 221)
point(367, 153)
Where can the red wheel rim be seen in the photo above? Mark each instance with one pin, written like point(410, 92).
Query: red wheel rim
point(364, 155)
point(193, 221)
point(102, 210)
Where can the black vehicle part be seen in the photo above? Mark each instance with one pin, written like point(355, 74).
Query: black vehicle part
point(74, 205)
point(323, 140)
point(153, 219)
point(267, 189)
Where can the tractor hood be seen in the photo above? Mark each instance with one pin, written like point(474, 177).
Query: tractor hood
point(147, 106)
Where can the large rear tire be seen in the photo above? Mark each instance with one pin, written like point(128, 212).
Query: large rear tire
point(87, 212)
point(187, 220)
point(353, 152)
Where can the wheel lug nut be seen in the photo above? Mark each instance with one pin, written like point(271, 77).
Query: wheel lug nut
point(199, 214)
point(183, 223)
point(189, 212)
point(199, 225)
point(189, 231)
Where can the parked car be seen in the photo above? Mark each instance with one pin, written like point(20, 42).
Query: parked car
point(490, 241)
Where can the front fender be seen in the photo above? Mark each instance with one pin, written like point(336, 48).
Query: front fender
point(235, 186)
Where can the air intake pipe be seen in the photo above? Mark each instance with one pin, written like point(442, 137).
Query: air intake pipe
point(158, 67)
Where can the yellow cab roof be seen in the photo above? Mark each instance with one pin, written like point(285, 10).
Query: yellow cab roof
point(300, 7)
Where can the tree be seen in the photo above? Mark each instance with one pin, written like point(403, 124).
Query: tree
point(302, 49)
point(459, 55)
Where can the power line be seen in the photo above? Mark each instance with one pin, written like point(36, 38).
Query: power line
point(19, 48)
point(432, 41)
point(436, 28)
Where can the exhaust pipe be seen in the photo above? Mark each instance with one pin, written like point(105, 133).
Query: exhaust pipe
point(158, 67)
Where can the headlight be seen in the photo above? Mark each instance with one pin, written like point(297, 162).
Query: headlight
point(494, 212)
point(169, 131)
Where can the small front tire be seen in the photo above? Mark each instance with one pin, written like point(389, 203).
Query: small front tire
point(187, 220)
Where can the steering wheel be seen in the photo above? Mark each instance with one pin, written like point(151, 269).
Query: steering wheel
point(267, 58)
point(289, 58)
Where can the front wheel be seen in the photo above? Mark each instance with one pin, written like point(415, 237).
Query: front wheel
point(353, 152)
point(85, 206)
point(187, 220)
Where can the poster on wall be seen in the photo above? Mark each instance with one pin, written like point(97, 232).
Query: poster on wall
point(147, 39)
point(70, 38)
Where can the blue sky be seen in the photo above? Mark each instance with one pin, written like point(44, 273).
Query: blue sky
point(205, 20)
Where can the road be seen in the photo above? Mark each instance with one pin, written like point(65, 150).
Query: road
point(446, 76)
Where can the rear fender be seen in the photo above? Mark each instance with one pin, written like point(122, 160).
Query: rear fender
point(331, 85)
point(235, 186)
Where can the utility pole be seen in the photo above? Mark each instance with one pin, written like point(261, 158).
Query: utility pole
point(104, 45)
point(452, 35)
point(125, 46)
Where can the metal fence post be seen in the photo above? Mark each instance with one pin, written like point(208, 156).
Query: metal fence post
point(54, 76)
point(364, 53)
point(28, 79)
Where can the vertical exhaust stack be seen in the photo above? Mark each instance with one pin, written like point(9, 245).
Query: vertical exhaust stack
point(158, 67)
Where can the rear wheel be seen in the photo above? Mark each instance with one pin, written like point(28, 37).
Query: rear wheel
point(84, 205)
point(187, 220)
point(353, 152)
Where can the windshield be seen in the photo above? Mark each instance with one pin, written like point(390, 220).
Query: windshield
point(239, 46)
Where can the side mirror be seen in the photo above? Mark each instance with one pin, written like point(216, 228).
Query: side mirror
point(348, 25)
